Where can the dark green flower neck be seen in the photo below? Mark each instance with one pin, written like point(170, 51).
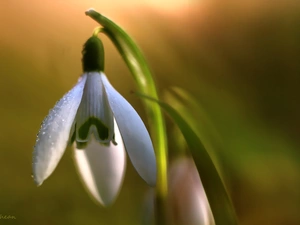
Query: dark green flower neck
point(93, 55)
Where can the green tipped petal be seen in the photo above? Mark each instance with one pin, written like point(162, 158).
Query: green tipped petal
point(94, 115)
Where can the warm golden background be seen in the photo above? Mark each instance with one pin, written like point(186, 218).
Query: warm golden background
point(240, 59)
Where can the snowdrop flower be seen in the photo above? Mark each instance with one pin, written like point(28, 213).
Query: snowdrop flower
point(100, 124)
point(187, 199)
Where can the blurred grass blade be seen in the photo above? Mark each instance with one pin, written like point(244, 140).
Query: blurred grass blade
point(137, 64)
point(218, 198)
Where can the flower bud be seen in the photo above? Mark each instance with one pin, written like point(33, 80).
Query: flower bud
point(188, 204)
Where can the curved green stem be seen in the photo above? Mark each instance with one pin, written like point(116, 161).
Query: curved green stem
point(96, 31)
point(136, 62)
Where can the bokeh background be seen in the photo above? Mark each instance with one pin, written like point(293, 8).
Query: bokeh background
point(240, 60)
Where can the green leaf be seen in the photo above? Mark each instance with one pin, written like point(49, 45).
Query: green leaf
point(218, 198)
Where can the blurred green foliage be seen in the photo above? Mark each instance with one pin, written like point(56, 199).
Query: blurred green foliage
point(238, 59)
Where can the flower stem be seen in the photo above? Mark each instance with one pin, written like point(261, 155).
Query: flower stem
point(136, 62)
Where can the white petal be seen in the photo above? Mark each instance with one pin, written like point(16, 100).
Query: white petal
point(94, 115)
point(102, 168)
point(134, 133)
point(53, 136)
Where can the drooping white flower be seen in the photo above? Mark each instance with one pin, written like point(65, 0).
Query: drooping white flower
point(101, 124)
point(187, 199)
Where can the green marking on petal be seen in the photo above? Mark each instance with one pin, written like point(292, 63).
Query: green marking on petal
point(102, 129)
point(81, 145)
point(73, 136)
point(114, 140)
